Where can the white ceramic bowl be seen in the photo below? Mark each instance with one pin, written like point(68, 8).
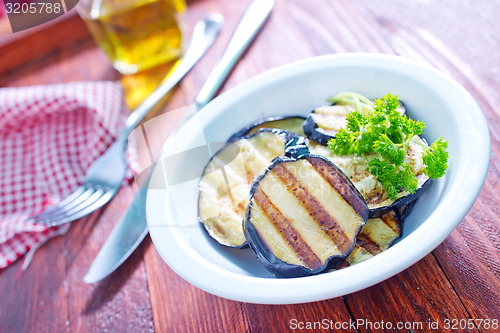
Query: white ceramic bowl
point(445, 106)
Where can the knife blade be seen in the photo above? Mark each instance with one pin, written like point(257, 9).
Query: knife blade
point(123, 240)
point(132, 227)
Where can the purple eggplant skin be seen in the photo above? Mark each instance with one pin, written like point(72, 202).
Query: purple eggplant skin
point(401, 215)
point(403, 212)
point(287, 136)
point(406, 200)
point(313, 131)
point(265, 122)
point(275, 265)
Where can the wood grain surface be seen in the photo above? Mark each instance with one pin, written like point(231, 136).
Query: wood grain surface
point(459, 280)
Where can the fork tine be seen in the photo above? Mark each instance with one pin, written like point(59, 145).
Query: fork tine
point(79, 191)
point(89, 197)
point(64, 209)
point(101, 201)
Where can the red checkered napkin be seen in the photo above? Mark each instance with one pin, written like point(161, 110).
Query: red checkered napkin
point(49, 135)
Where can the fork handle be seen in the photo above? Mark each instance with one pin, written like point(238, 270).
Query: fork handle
point(204, 34)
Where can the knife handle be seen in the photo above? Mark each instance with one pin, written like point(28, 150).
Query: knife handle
point(247, 28)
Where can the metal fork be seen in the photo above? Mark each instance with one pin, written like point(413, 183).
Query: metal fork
point(105, 176)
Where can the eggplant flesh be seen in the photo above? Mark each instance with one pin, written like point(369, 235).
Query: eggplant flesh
point(356, 168)
point(303, 216)
point(405, 199)
point(287, 123)
point(376, 236)
point(323, 123)
point(225, 184)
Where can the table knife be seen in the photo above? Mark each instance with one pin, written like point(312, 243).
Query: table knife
point(132, 227)
point(123, 240)
point(247, 28)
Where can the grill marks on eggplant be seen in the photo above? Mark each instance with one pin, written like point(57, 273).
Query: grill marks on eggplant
point(307, 213)
point(337, 179)
point(285, 228)
point(330, 118)
point(301, 218)
point(376, 236)
point(315, 209)
point(225, 184)
point(323, 123)
point(393, 222)
point(365, 242)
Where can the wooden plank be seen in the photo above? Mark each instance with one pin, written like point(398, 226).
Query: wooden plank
point(316, 316)
point(463, 282)
point(51, 295)
point(417, 297)
point(62, 65)
point(279, 45)
point(471, 260)
point(470, 256)
point(69, 29)
point(27, 297)
point(180, 307)
point(117, 302)
point(356, 32)
point(335, 27)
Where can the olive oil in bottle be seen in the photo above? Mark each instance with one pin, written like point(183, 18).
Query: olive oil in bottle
point(136, 34)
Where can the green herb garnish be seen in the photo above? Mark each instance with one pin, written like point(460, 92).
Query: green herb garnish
point(384, 131)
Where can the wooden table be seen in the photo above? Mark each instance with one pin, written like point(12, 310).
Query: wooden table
point(458, 280)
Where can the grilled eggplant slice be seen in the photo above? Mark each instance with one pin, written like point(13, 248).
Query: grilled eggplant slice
point(225, 183)
point(356, 168)
point(303, 217)
point(325, 121)
point(403, 211)
point(377, 235)
point(379, 208)
point(287, 123)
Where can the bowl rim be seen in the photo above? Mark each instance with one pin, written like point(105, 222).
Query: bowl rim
point(307, 289)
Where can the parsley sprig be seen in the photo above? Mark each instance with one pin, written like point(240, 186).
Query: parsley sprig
point(385, 131)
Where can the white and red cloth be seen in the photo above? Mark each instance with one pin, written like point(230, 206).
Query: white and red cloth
point(49, 135)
